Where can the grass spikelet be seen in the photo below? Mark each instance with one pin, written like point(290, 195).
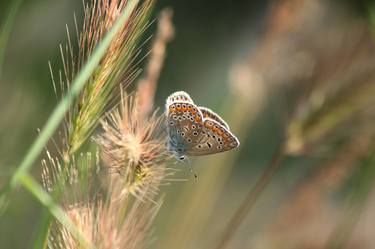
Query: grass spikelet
point(102, 227)
point(134, 147)
point(116, 67)
point(104, 220)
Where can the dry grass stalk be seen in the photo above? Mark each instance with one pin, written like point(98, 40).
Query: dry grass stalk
point(147, 85)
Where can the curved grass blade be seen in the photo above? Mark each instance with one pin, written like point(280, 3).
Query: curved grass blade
point(33, 187)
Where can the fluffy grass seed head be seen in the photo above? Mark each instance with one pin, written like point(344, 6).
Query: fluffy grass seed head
point(135, 147)
point(103, 220)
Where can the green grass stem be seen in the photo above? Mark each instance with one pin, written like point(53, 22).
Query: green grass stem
point(34, 187)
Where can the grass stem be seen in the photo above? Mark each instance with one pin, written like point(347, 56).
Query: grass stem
point(252, 197)
point(33, 187)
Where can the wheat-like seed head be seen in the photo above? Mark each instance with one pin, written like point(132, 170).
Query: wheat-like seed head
point(134, 147)
point(117, 67)
point(99, 224)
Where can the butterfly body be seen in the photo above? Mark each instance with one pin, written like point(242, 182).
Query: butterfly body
point(194, 130)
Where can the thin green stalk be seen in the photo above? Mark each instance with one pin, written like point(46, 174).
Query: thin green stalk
point(77, 84)
point(39, 193)
point(7, 28)
point(42, 231)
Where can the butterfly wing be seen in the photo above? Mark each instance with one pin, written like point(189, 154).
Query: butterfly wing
point(179, 96)
point(215, 138)
point(184, 125)
point(209, 114)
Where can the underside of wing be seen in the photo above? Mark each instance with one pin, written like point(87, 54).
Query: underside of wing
point(215, 138)
point(179, 96)
point(208, 113)
point(184, 123)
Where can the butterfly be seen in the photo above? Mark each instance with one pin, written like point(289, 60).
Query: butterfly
point(195, 131)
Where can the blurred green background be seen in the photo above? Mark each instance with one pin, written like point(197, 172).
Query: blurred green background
point(212, 37)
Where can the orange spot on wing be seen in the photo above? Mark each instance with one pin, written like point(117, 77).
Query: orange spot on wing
point(197, 119)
